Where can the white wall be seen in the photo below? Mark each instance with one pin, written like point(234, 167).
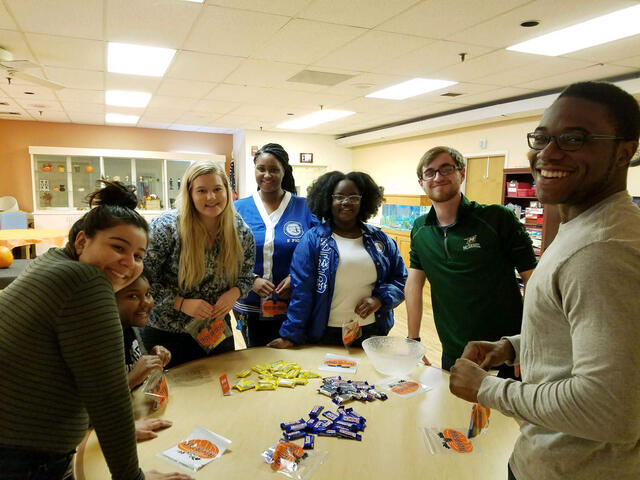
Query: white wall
point(324, 149)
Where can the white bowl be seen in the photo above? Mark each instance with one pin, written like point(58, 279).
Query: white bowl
point(393, 355)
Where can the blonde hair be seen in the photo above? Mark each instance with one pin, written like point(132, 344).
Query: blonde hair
point(193, 233)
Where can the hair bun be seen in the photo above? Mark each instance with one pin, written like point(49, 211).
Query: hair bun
point(115, 194)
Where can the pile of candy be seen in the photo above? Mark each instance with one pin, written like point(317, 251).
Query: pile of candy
point(343, 391)
point(276, 374)
point(344, 424)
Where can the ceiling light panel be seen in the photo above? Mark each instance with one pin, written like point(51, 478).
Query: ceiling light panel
point(138, 59)
point(121, 118)
point(316, 118)
point(120, 98)
point(411, 88)
point(607, 28)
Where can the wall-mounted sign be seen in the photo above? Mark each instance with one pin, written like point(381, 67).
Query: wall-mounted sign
point(306, 158)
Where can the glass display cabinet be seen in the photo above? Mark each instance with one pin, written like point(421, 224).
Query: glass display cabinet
point(398, 214)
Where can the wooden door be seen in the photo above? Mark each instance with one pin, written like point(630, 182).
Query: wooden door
point(484, 179)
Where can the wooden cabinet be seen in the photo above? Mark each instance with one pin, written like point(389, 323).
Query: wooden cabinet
point(542, 234)
point(403, 239)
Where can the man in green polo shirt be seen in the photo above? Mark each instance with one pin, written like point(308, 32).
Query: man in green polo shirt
point(469, 253)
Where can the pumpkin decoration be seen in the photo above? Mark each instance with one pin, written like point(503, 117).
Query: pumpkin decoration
point(273, 307)
point(212, 335)
point(6, 257)
point(88, 168)
point(456, 441)
point(47, 167)
point(199, 448)
point(60, 169)
point(405, 388)
point(340, 362)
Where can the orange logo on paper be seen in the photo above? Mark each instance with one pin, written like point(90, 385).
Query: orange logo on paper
point(199, 448)
point(273, 308)
point(456, 441)
point(338, 362)
point(405, 388)
point(209, 336)
point(161, 390)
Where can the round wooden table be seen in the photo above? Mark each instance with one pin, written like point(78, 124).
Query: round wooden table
point(392, 445)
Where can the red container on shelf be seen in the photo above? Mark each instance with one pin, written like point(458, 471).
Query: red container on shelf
point(532, 192)
point(520, 185)
point(523, 192)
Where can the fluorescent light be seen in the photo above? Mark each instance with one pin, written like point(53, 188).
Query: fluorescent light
point(138, 59)
point(315, 118)
point(599, 30)
point(120, 98)
point(121, 118)
point(410, 88)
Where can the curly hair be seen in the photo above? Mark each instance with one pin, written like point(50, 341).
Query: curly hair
point(319, 194)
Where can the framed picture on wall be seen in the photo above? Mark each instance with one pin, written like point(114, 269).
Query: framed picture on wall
point(306, 158)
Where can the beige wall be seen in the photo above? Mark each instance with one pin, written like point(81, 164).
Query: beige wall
point(324, 148)
point(393, 164)
point(17, 136)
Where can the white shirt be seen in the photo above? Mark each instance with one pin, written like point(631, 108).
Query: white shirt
point(355, 278)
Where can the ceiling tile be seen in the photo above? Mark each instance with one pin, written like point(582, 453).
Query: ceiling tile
point(263, 73)
point(491, 96)
point(431, 58)
point(14, 43)
point(595, 72)
point(39, 104)
point(536, 69)
point(232, 32)
point(505, 30)
point(161, 115)
point(136, 83)
point(6, 22)
point(184, 88)
point(181, 103)
point(73, 78)
point(146, 124)
point(156, 23)
point(69, 18)
point(197, 118)
point(87, 118)
point(49, 115)
point(375, 105)
point(279, 7)
point(484, 65)
point(219, 107)
point(83, 107)
point(67, 52)
point(629, 62)
point(364, 84)
point(356, 13)
point(305, 41)
point(441, 18)
point(203, 67)
point(82, 96)
point(17, 90)
point(609, 52)
point(371, 49)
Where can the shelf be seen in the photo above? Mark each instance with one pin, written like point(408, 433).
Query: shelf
point(522, 198)
point(533, 227)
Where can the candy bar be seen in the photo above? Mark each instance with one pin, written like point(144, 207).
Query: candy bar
point(308, 442)
point(315, 411)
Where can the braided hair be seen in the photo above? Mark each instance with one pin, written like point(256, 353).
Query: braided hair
point(275, 149)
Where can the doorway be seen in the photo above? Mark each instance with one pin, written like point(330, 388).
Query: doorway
point(484, 179)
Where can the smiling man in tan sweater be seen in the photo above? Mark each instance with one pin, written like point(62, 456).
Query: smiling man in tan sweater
point(579, 399)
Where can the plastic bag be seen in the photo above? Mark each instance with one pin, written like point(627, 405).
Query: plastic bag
point(272, 307)
point(209, 333)
point(291, 460)
point(157, 389)
point(198, 449)
point(447, 441)
point(351, 331)
point(403, 387)
point(479, 421)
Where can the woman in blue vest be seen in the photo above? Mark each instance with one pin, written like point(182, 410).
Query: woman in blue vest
point(278, 218)
point(343, 271)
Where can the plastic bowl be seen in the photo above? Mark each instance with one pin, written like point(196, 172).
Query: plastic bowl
point(393, 355)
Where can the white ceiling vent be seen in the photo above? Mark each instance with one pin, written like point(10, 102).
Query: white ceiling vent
point(319, 78)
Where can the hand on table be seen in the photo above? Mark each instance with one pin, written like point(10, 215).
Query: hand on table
point(197, 308)
point(283, 290)
point(163, 353)
point(367, 305)
point(225, 302)
point(142, 368)
point(489, 354)
point(280, 343)
point(426, 361)
point(156, 475)
point(262, 287)
point(465, 379)
point(146, 428)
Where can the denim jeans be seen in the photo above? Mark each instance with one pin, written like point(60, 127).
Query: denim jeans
point(25, 464)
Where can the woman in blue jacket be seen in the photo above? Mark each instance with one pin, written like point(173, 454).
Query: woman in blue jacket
point(342, 270)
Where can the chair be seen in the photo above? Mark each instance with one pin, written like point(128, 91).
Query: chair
point(13, 220)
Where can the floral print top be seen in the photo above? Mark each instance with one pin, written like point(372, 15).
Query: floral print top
point(162, 262)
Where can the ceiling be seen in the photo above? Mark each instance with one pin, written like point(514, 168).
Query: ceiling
point(235, 56)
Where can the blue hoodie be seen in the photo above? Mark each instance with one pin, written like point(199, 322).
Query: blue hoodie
point(313, 273)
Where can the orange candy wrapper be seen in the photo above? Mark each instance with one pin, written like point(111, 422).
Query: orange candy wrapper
point(479, 420)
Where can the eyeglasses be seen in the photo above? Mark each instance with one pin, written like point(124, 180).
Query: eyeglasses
point(444, 170)
point(350, 199)
point(568, 142)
